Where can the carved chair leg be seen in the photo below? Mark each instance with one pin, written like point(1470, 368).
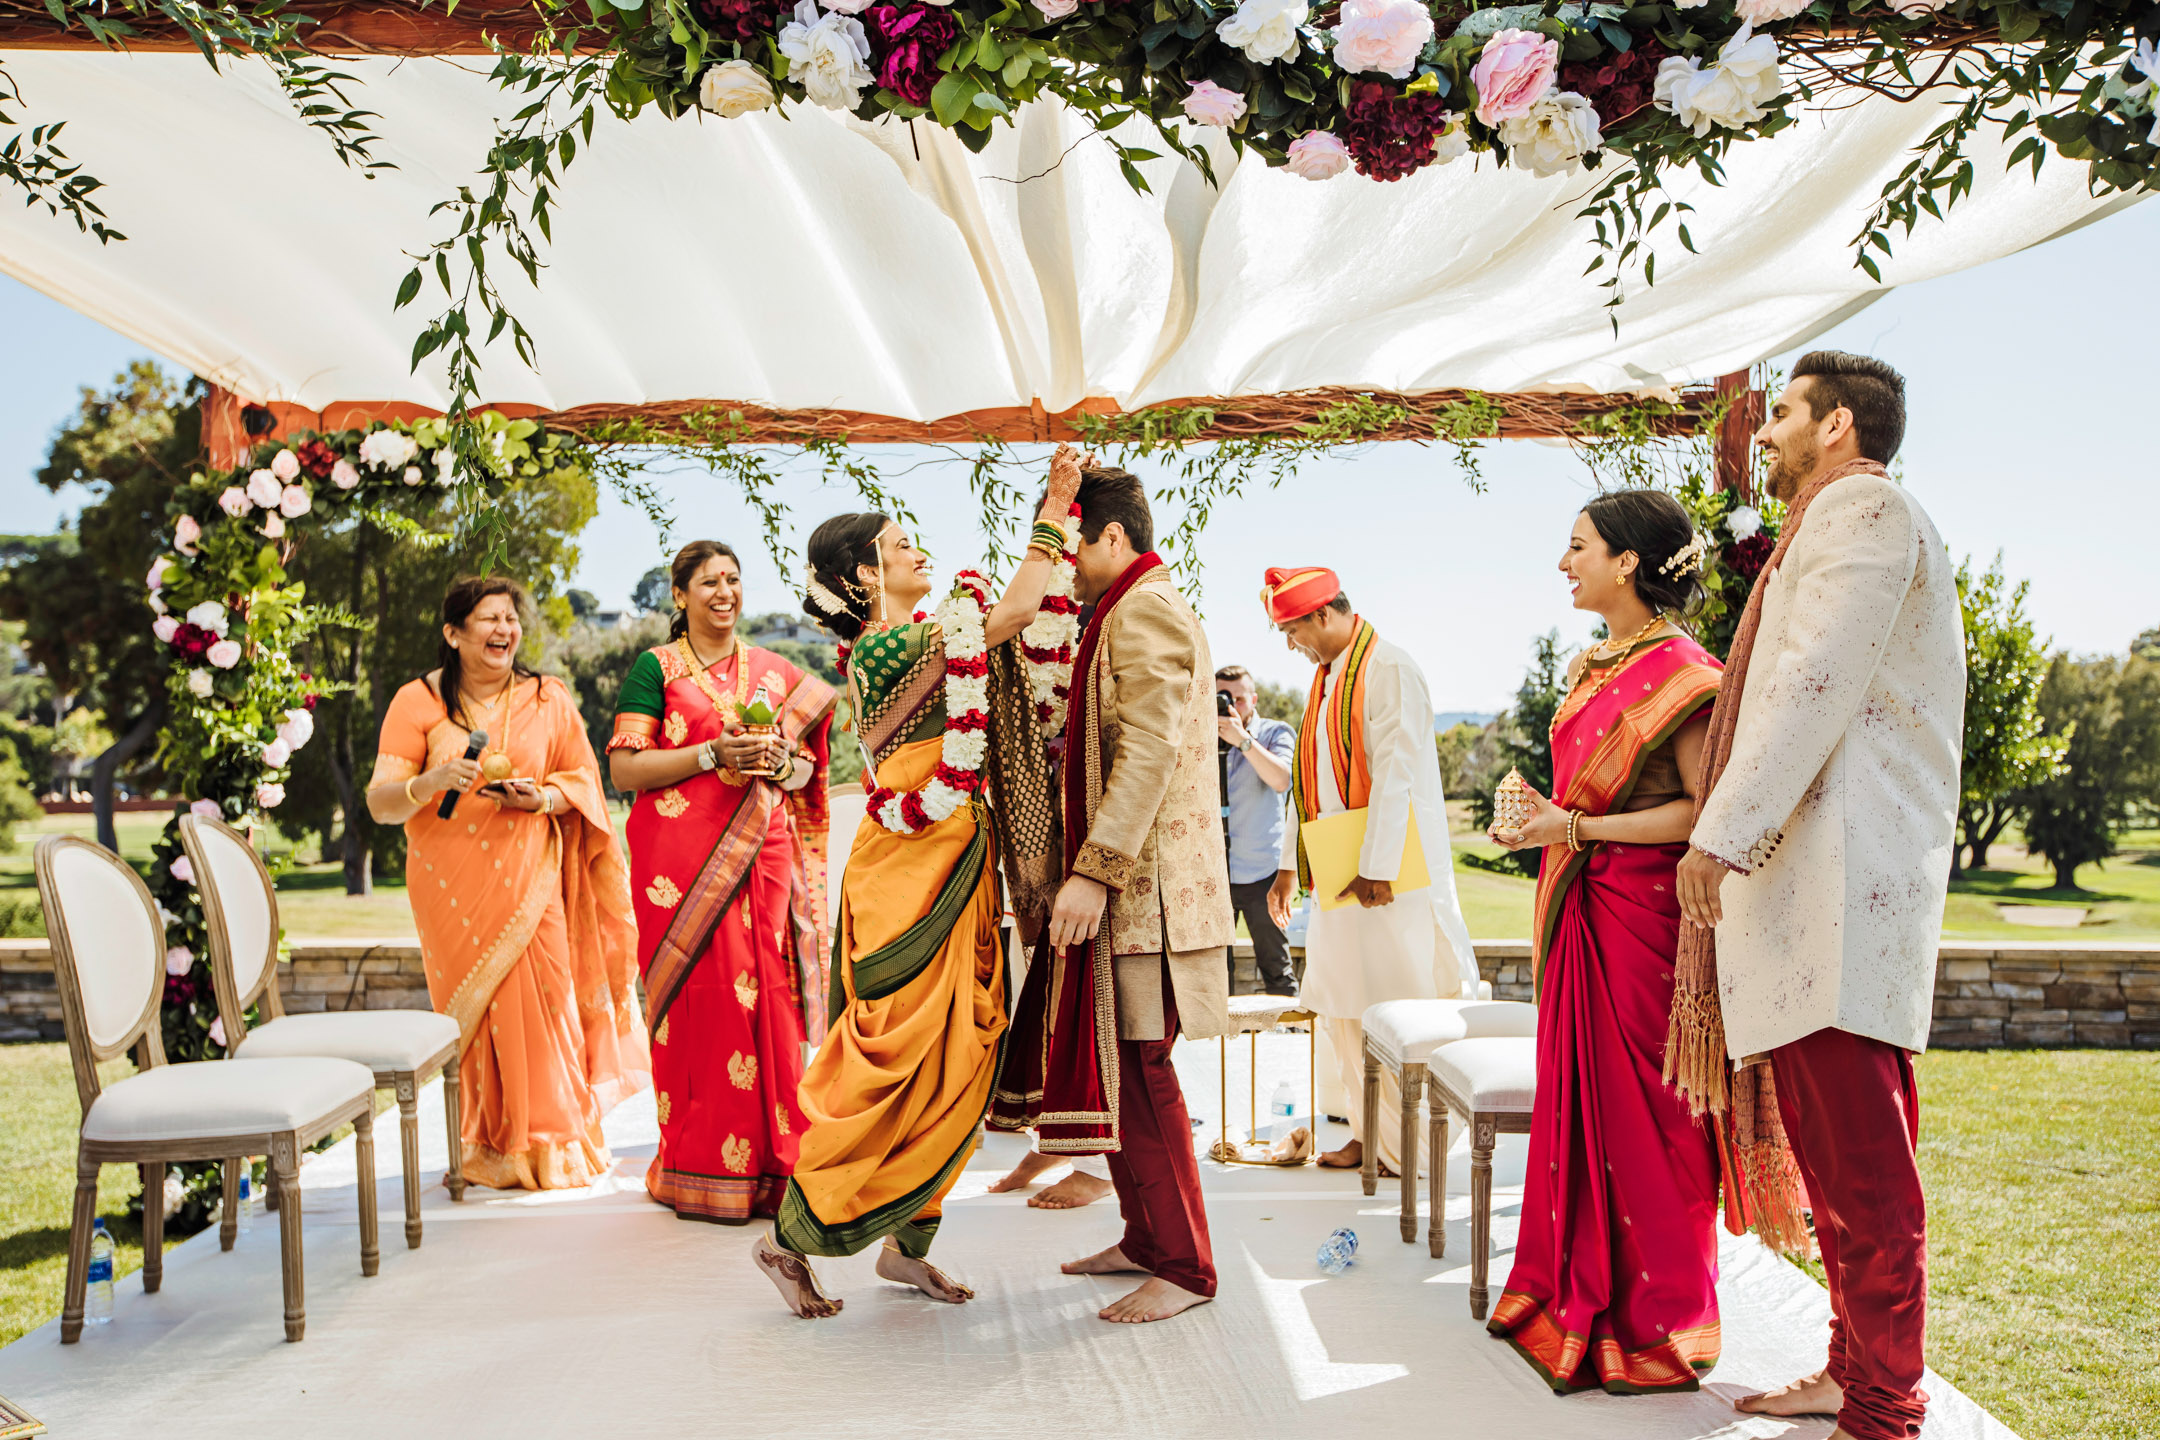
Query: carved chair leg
point(1369, 1171)
point(153, 1226)
point(408, 1100)
point(1406, 1160)
point(228, 1228)
point(78, 1254)
point(270, 1186)
point(454, 1117)
point(1436, 1172)
point(364, 1154)
point(1482, 1134)
point(285, 1184)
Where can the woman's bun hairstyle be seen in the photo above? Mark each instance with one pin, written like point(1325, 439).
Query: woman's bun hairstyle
point(835, 597)
point(1658, 529)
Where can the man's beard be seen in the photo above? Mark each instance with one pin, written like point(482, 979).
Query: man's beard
point(1790, 469)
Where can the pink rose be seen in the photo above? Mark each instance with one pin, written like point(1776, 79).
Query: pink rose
point(235, 502)
point(185, 533)
point(1318, 156)
point(206, 809)
point(276, 753)
point(1056, 9)
point(1210, 104)
point(165, 627)
point(274, 527)
point(294, 502)
point(343, 475)
point(285, 465)
point(181, 870)
point(217, 1031)
point(269, 795)
point(179, 960)
point(156, 580)
point(225, 654)
point(1383, 36)
point(1513, 74)
point(265, 489)
point(411, 475)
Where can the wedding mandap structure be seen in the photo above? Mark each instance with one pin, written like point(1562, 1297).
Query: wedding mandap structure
point(1014, 266)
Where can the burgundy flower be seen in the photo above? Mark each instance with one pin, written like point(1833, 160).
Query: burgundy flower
point(1747, 557)
point(1390, 134)
point(741, 20)
point(317, 459)
point(192, 641)
point(905, 45)
point(1617, 85)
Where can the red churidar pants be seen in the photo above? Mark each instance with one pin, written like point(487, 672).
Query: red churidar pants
point(1852, 1113)
point(1155, 1174)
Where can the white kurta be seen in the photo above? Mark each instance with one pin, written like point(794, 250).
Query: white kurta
point(1418, 947)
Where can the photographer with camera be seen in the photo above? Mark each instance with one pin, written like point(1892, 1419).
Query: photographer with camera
point(1256, 771)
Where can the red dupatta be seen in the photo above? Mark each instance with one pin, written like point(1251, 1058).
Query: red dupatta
point(1059, 1077)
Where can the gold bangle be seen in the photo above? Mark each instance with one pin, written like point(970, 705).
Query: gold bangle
point(416, 801)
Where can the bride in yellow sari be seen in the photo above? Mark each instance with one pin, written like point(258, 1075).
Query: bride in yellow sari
point(917, 1000)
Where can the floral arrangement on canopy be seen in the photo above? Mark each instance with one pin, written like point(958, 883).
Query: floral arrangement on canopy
point(220, 603)
point(1738, 536)
point(1386, 86)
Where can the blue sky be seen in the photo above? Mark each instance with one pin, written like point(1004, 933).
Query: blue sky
point(2027, 380)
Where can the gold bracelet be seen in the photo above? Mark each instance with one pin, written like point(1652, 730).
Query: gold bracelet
point(1574, 830)
point(417, 803)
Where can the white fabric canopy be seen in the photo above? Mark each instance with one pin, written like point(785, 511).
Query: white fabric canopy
point(813, 261)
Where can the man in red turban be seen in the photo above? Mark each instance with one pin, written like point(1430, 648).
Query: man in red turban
point(1370, 702)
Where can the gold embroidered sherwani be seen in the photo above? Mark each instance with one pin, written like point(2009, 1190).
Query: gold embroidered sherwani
point(1153, 824)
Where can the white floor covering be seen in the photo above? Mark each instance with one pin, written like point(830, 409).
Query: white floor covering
point(596, 1313)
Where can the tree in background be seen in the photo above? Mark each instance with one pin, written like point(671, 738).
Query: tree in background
point(1523, 741)
point(81, 600)
point(583, 603)
point(592, 660)
point(2007, 748)
point(1279, 702)
point(2147, 644)
point(2107, 711)
point(654, 593)
point(1469, 759)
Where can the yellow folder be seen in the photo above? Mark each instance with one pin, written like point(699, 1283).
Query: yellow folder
point(1332, 844)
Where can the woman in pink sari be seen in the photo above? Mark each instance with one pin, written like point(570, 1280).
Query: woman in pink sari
point(1615, 1277)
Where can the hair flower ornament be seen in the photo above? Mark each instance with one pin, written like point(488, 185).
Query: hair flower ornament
point(1688, 559)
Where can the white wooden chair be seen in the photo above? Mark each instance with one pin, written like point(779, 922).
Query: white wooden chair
point(108, 950)
point(1401, 1035)
point(402, 1048)
point(1492, 1084)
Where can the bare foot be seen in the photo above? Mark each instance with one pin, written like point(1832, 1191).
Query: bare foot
point(790, 1275)
point(1025, 1173)
point(1350, 1157)
point(1108, 1262)
point(1157, 1299)
point(1815, 1394)
point(906, 1270)
point(1071, 1193)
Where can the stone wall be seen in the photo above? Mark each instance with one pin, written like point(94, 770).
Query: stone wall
point(2041, 994)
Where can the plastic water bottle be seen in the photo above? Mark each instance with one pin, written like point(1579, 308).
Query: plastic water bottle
point(97, 1305)
point(1282, 1111)
point(244, 1218)
point(1337, 1251)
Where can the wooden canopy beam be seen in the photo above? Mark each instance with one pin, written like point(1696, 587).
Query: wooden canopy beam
point(231, 424)
point(343, 27)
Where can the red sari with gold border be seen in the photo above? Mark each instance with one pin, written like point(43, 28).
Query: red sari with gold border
point(727, 879)
point(1614, 1284)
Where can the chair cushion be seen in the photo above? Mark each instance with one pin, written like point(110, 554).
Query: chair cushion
point(210, 1098)
point(1407, 1031)
point(379, 1039)
point(1494, 1073)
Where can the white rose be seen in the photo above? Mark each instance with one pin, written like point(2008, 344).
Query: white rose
point(828, 55)
point(446, 466)
point(199, 683)
point(1744, 523)
point(1552, 139)
point(276, 754)
point(285, 465)
point(412, 475)
point(1765, 12)
point(274, 527)
point(388, 449)
point(1733, 92)
point(295, 502)
point(1384, 37)
point(734, 87)
point(1265, 29)
point(209, 615)
point(1452, 143)
point(265, 489)
point(298, 729)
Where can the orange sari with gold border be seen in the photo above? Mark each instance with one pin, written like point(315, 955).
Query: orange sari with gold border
point(527, 937)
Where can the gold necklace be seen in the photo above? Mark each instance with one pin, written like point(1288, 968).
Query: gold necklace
point(703, 680)
point(1605, 648)
point(496, 765)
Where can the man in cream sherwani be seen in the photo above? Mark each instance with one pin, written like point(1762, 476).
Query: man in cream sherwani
point(1822, 856)
point(1366, 742)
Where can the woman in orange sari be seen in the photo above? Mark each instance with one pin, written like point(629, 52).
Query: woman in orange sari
point(727, 871)
point(520, 896)
point(1615, 1278)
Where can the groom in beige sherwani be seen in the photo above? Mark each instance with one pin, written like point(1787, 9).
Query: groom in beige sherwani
point(1821, 857)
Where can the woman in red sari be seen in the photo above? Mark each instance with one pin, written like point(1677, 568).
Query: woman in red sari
point(1615, 1277)
point(727, 875)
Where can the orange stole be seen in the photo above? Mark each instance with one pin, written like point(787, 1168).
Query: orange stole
point(1343, 720)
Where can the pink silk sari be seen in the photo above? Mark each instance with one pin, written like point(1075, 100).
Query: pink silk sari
point(1615, 1275)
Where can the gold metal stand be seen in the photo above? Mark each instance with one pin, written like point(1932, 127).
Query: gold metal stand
point(1254, 1152)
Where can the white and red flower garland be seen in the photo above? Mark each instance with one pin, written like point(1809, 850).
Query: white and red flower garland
point(964, 619)
point(1047, 642)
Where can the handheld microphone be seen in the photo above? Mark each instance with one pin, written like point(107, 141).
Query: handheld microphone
point(473, 747)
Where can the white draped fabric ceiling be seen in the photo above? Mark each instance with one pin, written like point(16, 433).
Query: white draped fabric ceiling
point(813, 261)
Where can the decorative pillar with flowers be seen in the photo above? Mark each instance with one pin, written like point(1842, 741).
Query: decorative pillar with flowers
point(239, 706)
